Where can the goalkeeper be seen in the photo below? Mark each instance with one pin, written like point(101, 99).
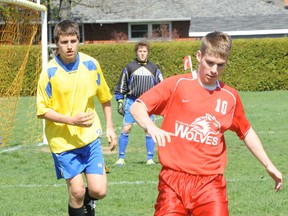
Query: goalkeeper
point(136, 78)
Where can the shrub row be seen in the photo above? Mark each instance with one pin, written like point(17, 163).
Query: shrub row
point(254, 64)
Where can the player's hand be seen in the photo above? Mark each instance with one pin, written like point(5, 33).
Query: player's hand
point(120, 107)
point(277, 176)
point(112, 138)
point(83, 119)
point(158, 135)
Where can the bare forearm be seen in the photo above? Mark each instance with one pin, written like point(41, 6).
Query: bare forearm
point(107, 108)
point(54, 116)
point(254, 144)
point(141, 116)
point(81, 119)
point(110, 132)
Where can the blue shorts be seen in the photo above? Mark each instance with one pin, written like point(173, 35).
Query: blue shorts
point(88, 159)
point(128, 118)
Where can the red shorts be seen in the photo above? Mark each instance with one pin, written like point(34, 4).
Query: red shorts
point(186, 194)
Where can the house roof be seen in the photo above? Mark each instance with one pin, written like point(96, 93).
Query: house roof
point(275, 24)
point(226, 15)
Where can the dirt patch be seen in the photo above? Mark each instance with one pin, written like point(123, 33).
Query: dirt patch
point(45, 149)
point(106, 150)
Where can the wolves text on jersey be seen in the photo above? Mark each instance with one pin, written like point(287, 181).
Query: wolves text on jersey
point(203, 130)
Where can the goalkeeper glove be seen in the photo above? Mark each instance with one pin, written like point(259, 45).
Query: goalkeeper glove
point(120, 107)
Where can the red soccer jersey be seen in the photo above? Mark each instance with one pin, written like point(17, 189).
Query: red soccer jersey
point(198, 118)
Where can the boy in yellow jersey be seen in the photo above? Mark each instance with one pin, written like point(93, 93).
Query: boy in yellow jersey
point(65, 99)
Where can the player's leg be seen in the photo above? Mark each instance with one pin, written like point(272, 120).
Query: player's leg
point(212, 209)
point(128, 122)
point(150, 145)
point(123, 142)
point(76, 191)
point(96, 190)
point(95, 176)
point(168, 202)
point(97, 185)
point(211, 198)
point(68, 165)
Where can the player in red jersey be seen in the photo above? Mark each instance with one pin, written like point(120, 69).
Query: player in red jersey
point(192, 149)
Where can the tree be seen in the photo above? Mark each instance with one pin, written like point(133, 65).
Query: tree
point(64, 9)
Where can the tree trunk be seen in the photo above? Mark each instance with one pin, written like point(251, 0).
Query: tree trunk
point(65, 9)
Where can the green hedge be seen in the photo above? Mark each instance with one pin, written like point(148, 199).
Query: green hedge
point(254, 64)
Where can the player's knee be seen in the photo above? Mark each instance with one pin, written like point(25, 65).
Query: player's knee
point(127, 128)
point(77, 193)
point(98, 194)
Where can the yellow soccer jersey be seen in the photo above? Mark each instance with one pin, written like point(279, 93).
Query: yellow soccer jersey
point(70, 89)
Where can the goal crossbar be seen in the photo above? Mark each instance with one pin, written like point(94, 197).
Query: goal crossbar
point(27, 4)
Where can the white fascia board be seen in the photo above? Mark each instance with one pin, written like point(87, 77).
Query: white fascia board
point(243, 33)
point(138, 20)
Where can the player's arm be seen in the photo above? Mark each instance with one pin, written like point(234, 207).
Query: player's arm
point(44, 110)
point(82, 119)
point(121, 90)
point(254, 144)
point(159, 76)
point(140, 114)
point(110, 132)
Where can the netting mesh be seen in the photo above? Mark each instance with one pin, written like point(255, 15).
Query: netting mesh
point(18, 123)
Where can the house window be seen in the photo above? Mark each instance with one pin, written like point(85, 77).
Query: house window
point(139, 31)
point(51, 33)
point(154, 31)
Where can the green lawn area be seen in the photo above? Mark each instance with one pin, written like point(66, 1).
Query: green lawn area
point(28, 186)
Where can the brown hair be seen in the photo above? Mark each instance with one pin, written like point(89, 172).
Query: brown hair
point(64, 28)
point(142, 43)
point(216, 43)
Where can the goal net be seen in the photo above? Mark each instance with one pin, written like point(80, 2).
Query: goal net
point(20, 66)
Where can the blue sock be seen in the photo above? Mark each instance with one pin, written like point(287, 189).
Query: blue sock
point(123, 142)
point(149, 147)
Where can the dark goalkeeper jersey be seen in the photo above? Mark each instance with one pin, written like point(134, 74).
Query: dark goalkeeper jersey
point(136, 78)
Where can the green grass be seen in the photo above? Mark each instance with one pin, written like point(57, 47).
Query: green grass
point(28, 185)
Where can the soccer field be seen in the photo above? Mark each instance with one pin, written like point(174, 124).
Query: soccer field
point(28, 185)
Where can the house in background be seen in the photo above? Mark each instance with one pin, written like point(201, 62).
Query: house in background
point(131, 20)
point(242, 19)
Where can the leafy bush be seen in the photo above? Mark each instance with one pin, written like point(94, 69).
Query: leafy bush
point(254, 64)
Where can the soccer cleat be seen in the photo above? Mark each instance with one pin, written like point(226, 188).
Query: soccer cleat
point(120, 162)
point(107, 169)
point(150, 162)
point(89, 208)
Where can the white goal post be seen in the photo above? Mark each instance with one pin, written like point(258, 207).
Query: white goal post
point(44, 38)
point(43, 10)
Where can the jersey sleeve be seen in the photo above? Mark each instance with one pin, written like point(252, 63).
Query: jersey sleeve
point(157, 98)
point(103, 92)
point(240, 123)
point(121, 88)
point(159, 76)
point(44, 92)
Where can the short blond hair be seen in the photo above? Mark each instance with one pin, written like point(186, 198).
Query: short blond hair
point(216, 43)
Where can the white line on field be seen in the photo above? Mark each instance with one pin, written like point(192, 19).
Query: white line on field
point(10, 149)
point(123, 183)
point(61, 185)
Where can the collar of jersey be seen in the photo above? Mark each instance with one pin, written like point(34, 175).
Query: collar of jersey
point(71, 67)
